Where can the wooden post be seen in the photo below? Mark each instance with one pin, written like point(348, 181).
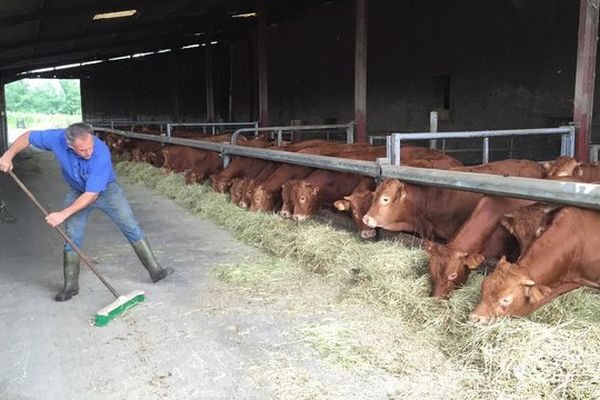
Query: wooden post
point(585, 76)
point(360, 72)
point(263, 87)
point(210, 93)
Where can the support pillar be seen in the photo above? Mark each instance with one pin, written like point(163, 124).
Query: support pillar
point(3, 120)
point(360, 72)
point(210, 92)
point(585, 75)
point(263, 87)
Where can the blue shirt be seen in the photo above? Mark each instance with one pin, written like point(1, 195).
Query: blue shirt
point(83, 175)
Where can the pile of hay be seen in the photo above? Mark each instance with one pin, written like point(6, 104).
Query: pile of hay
point(555, 353)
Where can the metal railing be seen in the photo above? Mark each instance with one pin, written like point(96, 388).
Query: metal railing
point(567, 133)
point(584, 195)
point(208, 125)
point(594, 149)
point(278, 130)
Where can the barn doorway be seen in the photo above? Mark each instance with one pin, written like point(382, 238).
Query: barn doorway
point(41, 104)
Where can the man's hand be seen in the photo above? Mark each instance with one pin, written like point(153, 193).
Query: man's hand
point(56, 218)
point(6, 163)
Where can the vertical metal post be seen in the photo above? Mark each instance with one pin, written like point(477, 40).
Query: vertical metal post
point(226, 160)
point(210, 93)
point(350, 134)
point(3, 120)
point(360, 71)
point(213, 130)
point(263, 87)
point(433, 127)
point(486, 150)
point(169, 130)
point(279, 137)
point(388, 147)
point(231, 58)
point(396, 149)
point(585, 75)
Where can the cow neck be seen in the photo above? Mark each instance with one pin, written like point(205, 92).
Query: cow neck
point(473, 235)
point(446, 210)
point(553, 256)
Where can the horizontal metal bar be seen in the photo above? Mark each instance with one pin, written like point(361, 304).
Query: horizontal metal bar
point(198, 144)
point(570, 193)
point(213, 124)
point(368, 168)
point(585, 195)
point(289, 128)
point(308, 160)
point(479, 134)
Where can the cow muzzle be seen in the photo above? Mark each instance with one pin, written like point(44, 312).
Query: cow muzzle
point(299, 217)
point(285, 214)
point(369, 221)
point(479, 319)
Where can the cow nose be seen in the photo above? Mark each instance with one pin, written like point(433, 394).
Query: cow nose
point(477, 318)
point(368, 234)
point(243, 204)
point(284, 214)
point(368, 221)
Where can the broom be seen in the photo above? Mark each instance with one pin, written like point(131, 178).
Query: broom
point(117, 307)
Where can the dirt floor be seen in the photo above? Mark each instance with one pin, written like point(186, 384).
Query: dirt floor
point(204, 332)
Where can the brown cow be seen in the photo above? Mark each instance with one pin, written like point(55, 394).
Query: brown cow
point(528, 223)
point(359, 202)
point(563, 258)
point(434, 211)
point(562, 166)
point(450, 265)
point(267, 195)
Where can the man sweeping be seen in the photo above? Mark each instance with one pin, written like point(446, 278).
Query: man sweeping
point(87, 169)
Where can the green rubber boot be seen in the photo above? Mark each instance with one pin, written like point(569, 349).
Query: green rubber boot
point(146, 256)
point(71, 263)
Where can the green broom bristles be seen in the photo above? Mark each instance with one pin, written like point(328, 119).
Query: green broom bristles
point(118, 307)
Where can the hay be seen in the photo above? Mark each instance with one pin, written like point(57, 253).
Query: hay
point(554, 354)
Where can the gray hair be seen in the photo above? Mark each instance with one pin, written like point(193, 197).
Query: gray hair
point(77, 130)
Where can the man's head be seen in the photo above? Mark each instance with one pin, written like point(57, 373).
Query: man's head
point(80, 139)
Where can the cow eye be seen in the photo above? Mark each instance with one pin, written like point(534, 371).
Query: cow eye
point(385, 199)
point(505, 301)
point(302, 199)
point(452, 276)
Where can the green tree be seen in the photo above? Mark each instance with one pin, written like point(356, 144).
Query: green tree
point(47, 98)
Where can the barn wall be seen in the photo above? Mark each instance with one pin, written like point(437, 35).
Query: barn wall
point(484, 65)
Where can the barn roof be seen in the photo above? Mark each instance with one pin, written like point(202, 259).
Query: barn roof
point(42, 33)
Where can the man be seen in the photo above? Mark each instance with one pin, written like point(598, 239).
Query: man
point(87, 169)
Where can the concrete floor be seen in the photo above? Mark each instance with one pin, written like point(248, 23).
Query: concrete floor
point(167, 347)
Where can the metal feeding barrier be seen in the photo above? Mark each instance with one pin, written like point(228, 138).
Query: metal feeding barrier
point(278, 130)
point(567, 133)
point(584, 195)
point(212, 126)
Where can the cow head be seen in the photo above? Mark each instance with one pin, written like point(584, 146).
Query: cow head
point(358, 203)
point(287, 199)
point(305, 200)
point(237, 190)
point(508, 291)
point(562, 166)
point(528, 223)
point(246, 199)
point(220, 185)
point(264, 199)
point(391, 206)
point(449, 268)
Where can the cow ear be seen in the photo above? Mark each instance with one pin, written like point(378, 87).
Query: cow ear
point(342, 205)
point(535, 293)
point(546, 165)
point(508, 222)
point(473, 261)
point(429, 245)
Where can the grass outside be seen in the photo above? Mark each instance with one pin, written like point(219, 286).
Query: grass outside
point(427, 344)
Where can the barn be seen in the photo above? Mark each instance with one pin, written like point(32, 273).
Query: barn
point(344, 198)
